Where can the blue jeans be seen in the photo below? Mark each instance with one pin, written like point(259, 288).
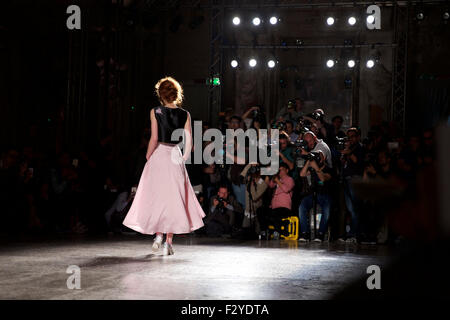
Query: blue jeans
point(239, 193)
point(353, 206)
point(323, 200)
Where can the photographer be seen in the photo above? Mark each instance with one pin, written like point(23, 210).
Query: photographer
point(292, 111)
point(255, 189)
point(352, 167)
point(280, 206)
point(224, 211)
point(286, 151)
point(253, 113)
point(324, 128)
point(318, 175)
point(317, 145)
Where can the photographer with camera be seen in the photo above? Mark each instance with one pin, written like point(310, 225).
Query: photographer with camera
point(325, 129)
point(255, 189)
point(318, 175)
point(224, 211)
point(281, 202)
point(317, 145)
point(352, 168)
point(286, 151)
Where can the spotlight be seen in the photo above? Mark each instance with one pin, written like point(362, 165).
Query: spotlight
point(352, 21)
point(370, 19)
point(420, 16)
point(236, 21)
point(271, 64)
point(234, 63)
point(370, 63)
point(256, 21)
point(252, 63)
point(351, 63)
point(273, 20)
point(330, 63)
point(330, 21)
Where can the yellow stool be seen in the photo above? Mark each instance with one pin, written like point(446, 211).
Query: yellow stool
point(292, 228)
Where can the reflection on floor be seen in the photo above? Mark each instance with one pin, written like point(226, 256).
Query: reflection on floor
point(124, 267)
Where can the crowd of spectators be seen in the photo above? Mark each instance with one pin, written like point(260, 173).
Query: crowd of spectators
point(320, 163)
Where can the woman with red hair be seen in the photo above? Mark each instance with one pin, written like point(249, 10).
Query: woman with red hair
point(165, 201)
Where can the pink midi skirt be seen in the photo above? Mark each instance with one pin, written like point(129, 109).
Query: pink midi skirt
point(165, 200)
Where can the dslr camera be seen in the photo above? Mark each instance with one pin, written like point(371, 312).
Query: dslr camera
point(341, 143)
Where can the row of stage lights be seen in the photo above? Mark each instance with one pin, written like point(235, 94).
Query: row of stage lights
point(352, 20)
point(256, 20)
point(370, 63)
point(274, 20)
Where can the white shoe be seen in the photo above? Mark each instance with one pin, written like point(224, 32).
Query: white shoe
point(157, 243)
point(167, 249)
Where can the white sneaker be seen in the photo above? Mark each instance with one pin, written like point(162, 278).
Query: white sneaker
point(318, 240)
point(167, 249)
point(157, 243)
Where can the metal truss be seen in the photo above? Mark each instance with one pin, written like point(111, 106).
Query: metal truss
point(399, 67)
point(216, 57)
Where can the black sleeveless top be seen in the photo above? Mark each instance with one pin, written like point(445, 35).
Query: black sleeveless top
point(168, 120)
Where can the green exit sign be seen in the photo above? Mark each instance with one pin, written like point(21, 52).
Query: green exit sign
point(214, 81)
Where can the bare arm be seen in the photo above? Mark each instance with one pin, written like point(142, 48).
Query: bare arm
point(188, 135)
point(154, 136)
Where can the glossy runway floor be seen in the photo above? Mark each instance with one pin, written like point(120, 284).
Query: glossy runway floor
point(124, 267)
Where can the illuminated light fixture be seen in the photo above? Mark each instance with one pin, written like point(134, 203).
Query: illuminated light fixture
point(420, 16)
point(330, 21)
point(446, 16)
point(273, 20)
point(370, 63)
point(370, 19)
point(351, 63)
point(330, 63)
point(236, 21)
point(352, 21)
point(234, 63)
point(252, 63)
point(256, 21)
point(271, 64)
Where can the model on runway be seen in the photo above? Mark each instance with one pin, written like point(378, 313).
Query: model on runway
point(165, 201)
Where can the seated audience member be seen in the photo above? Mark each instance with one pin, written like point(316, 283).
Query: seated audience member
point(280, 206)
point(224, 211)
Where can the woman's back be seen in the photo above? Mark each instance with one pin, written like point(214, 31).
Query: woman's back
point(169, 119)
